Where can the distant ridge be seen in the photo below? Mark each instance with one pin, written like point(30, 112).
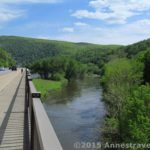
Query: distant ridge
point(25, 50)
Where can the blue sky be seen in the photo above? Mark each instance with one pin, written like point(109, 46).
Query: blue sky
point(94, 21)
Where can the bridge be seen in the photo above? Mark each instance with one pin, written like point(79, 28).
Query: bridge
point(24, 124)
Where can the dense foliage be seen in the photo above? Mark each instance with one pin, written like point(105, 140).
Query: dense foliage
point(147, 66)
point(5, 59)
point(134, 49)
point(27, 50)
point(58, 67)
point(127, 98)
point(136, 120)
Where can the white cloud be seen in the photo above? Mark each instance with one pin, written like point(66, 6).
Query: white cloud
point(7, 14)
point(125, 34)
point(114, 11)
point(80, 24)
point(68, 29)
point(143, 22)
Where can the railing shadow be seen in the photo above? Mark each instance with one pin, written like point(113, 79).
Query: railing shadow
point(7, 116)
point(15, 124)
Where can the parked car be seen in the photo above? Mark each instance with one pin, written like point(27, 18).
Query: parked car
point(13, 68)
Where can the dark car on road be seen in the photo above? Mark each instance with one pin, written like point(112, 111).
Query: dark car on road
point(14, 68)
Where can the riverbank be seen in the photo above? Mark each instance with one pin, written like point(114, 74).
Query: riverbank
point(45, 86)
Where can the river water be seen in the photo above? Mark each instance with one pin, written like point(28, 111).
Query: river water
point(77, 112)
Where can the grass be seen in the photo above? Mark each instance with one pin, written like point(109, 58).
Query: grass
point(44, 86)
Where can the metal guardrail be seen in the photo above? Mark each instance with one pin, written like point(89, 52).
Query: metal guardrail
point(43, 136)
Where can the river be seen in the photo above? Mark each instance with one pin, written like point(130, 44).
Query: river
point(77, 112)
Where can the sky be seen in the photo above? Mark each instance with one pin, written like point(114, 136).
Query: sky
point(94, 21)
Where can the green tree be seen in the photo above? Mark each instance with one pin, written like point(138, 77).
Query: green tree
point(120, 77)
point(147, 66)
point(71, 70)
point(58, 67)
point(5, 59)
point(136, 116)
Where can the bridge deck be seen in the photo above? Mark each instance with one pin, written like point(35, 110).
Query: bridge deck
point(14, 126)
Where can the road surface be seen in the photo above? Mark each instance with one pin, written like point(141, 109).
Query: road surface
point(5, 72)
point(12, 111)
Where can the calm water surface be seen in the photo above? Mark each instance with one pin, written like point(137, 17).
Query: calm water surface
point(77, 112)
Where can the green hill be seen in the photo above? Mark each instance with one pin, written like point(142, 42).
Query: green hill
point(134, 49)
point(5, 59)
point(26, 50)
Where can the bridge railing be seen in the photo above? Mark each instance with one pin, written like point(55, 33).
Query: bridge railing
point(43, 136)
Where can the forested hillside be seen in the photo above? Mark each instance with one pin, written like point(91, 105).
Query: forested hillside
point(26, 50)
point(5, 59)
point(134, 49)
point(127, 95)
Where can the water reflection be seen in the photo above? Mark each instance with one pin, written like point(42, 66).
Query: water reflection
point(65, 95)
point(77, 112)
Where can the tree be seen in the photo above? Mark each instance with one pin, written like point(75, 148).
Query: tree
point(120, 77)
point(71, 70)
point(58, 67)
point(147, 66)
point(136, 116)
point(5, 59)
point(42, 67)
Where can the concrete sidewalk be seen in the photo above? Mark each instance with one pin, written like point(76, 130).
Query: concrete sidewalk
point(14, 129)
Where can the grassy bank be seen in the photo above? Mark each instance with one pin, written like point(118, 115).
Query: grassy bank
point(44, 86)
